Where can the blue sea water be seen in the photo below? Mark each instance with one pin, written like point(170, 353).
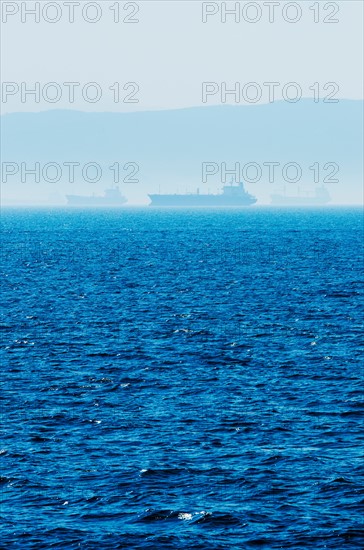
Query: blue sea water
point(182, 379)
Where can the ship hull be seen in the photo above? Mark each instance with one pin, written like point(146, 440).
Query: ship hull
point(211, 201)
point(75, 200)
point(281, 200)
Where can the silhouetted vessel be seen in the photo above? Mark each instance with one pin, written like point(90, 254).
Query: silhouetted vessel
point(320, 197)
point(111, 197)
point(232, 195)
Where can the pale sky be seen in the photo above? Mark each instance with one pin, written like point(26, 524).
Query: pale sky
point(170, 52)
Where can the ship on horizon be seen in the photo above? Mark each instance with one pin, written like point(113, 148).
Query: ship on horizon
point(320, 197)
point(232, 195)
point(111, 197)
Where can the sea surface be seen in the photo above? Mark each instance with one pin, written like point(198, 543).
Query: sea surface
point(177, 379)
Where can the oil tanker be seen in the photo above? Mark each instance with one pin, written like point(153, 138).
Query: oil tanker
point(111, 197)
point(320, 197)
point(232, 195)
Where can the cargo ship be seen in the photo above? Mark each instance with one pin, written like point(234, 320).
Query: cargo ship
point(111, 197)
point(320, 197)
point(232, 195)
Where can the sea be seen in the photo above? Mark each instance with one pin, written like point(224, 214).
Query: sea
point(182, 379)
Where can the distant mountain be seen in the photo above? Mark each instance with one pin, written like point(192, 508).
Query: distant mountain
point(170, 146)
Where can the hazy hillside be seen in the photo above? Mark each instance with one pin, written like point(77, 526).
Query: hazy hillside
point(170, 146)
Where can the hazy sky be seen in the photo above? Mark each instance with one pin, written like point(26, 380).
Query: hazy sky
point(170, 51)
